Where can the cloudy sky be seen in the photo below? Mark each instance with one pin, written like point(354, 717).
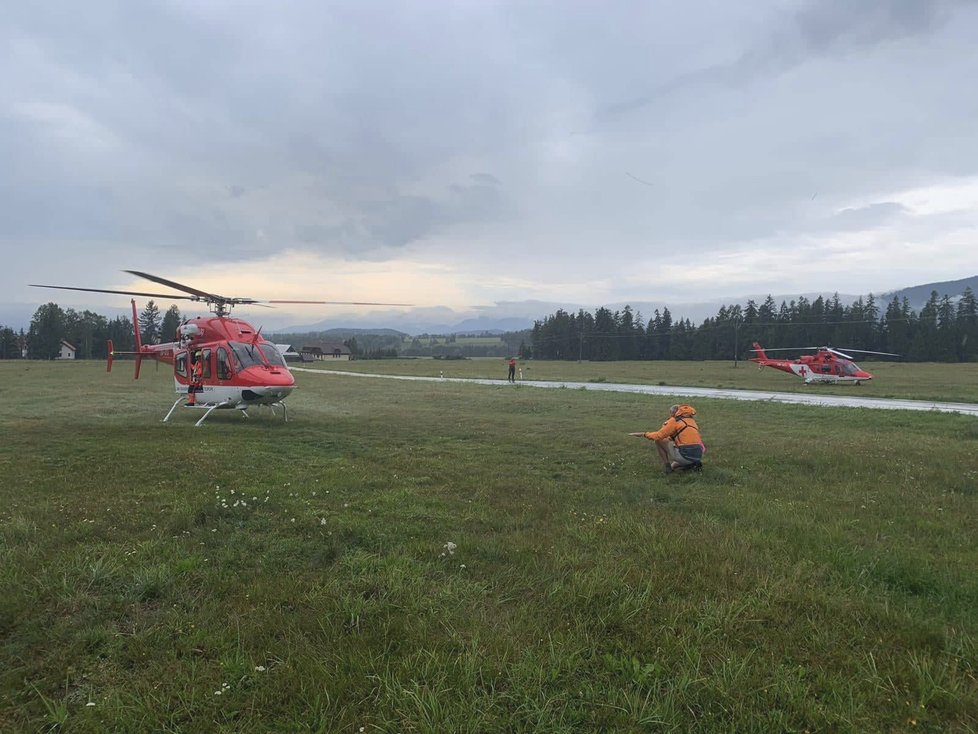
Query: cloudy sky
point(466, 153)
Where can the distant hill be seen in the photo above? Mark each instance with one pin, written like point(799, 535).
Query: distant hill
point(339, 333)
point(511, 316)
point(518, 315)
point(917, 295)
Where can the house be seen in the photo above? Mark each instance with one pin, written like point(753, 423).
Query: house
point(67, 350)
point(325, 350)
point(288, 353)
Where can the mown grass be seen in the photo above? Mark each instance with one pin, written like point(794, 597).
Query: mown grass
point(923, 381)
point(255, 575)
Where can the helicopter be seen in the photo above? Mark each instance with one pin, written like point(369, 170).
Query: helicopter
point(219, 362)
point(827, 365)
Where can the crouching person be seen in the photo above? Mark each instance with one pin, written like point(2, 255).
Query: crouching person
point(678, 442)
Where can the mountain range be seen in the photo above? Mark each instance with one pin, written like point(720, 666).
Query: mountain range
point(516, 315)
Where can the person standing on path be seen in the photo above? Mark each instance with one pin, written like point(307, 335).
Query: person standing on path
point(512, 369)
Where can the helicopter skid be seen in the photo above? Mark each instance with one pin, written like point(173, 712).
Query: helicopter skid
point(224, 405)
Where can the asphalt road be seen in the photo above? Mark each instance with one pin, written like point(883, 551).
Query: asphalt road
point(838, 401)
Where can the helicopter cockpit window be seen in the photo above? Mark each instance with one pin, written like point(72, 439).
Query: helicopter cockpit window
point(223, 364)
point(248, 354)
point(273, 355)
point(180, 364)
point(847, 367)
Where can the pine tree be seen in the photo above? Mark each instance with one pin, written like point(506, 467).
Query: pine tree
point(967, 318)
point(46, 332)
point(171, 320)
point(149, 324)
point(9, 349)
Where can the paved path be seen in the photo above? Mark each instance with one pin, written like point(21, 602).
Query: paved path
point(843, 401)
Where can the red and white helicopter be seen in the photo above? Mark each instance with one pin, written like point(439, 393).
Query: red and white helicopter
point(218, 362)
point(827, 365)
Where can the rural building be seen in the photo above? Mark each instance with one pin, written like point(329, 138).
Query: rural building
point(325, 350)
point(67, 350)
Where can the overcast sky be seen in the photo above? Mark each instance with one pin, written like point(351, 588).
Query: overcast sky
point(466, 153)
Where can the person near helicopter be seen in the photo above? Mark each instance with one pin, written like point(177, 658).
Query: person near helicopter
point(196, 377)
point(678, 442)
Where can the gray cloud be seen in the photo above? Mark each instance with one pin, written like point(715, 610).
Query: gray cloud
point(370, 132)
point(819, 28)
point(395, 220)
point(867, 217)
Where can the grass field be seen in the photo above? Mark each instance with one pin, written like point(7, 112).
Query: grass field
point(442, 557)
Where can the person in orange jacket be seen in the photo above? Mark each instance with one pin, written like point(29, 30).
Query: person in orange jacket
point(678, 442)
point(196, 377)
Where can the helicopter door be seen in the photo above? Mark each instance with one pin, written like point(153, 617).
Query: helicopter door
point(205, 370)
point(180, 365)
point(224, 371)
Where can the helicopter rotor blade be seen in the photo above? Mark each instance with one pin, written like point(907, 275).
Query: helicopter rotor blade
point(869, 351)
point(218, 302)
point(106, 290)
point(342, 303)
point(180, 287)
point(782, 349)
point(838, 353)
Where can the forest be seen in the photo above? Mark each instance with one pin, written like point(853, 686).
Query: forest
point(87, 331)
point(945, 330)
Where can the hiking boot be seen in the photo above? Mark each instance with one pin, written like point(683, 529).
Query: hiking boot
point(667, 469)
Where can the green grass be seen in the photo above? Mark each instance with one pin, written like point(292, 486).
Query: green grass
point(255, 575)
point(924, 381)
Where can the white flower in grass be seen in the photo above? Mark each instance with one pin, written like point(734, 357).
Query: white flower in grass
point(450, 547)
point(322, 521)
point(260, 668)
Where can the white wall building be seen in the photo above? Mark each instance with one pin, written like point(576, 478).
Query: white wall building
point(67, 350)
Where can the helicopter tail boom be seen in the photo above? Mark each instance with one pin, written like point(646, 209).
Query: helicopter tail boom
point(139, 342)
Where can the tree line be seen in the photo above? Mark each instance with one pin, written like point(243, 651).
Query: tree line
point(943, 330)
point(87, 331)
